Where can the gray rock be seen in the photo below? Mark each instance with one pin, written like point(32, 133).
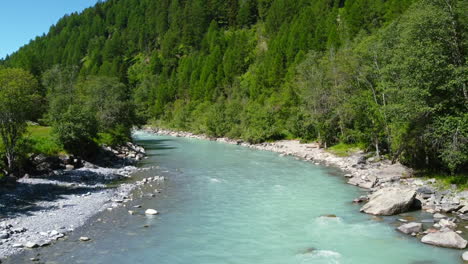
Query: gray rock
point(447, 223)
point(19, 230)
point(31, 245)
point(4, 235)
point(362, 160)
point(463, 210)
point(43, 243)
point(365, 183)
point(389, 201)
point(448, 239)
point(410, 228)
point(425, 190)
point(448, 208)
point(438, 216)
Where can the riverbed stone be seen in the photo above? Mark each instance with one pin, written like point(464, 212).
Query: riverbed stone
point(4, 235)
point(84, 239)
point(448, 208)
point(465, 256)
point(31, 244)
point(390, 201)
point(409, 228)
point(438, 216)
point(151, 212)
point(463, 210)
point(448, 239)
point(447, 223)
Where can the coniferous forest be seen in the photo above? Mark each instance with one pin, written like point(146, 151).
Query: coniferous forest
point(389, 76)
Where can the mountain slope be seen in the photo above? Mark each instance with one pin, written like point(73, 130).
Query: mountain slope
point(388, 75)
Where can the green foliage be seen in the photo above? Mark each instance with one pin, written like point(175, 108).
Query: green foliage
point(80, 108)
point(444, 180)
point(75, 130)
point(19, 96)
point(110, 101)
point(387, 75)
point(449, 138)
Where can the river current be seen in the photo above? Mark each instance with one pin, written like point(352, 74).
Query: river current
point(228, 204)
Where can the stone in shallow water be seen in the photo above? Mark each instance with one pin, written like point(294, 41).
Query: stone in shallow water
point(84, 239)
point(307, 251)
point(465, 256)
point(447, 239)
point(438, 216)
point(410, 228)
point(329, 216)
point(31, 245)
point(151, 212)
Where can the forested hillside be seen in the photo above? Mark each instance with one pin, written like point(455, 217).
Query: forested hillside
point(387, 75)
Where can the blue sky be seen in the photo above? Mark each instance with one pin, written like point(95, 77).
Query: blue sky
point(23, 20)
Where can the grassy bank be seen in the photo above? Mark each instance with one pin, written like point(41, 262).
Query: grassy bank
point(44, 141)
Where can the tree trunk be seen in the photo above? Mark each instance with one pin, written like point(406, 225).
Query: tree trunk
point(11, 161)
point(377, 151)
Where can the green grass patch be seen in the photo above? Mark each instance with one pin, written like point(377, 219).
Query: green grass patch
point(104, 138)
point(445, 181)
point(43, 141)
point(344, 150)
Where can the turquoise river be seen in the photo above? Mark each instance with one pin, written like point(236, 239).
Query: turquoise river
point(227, 204)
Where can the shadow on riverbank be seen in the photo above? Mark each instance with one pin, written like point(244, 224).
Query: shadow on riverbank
point(25, 198)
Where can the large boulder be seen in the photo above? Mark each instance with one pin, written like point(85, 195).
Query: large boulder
point(448, 239)
point(44, 164)
point(410, 228)
point(390, 201)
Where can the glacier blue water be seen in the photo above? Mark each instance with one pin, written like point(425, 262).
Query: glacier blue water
point(229, 204)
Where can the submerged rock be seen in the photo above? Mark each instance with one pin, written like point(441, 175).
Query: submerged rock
point(307, 251)
point(410, 228)
point(329, 216)
point(389, 201)
point(448, 239)
point(84, 239)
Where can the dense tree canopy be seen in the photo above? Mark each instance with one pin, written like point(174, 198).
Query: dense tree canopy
point(387, 74)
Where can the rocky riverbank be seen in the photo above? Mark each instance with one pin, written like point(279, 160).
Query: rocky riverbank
point(392, 189)
point(39, 210)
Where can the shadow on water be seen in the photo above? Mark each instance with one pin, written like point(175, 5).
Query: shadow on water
point(155, 144)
